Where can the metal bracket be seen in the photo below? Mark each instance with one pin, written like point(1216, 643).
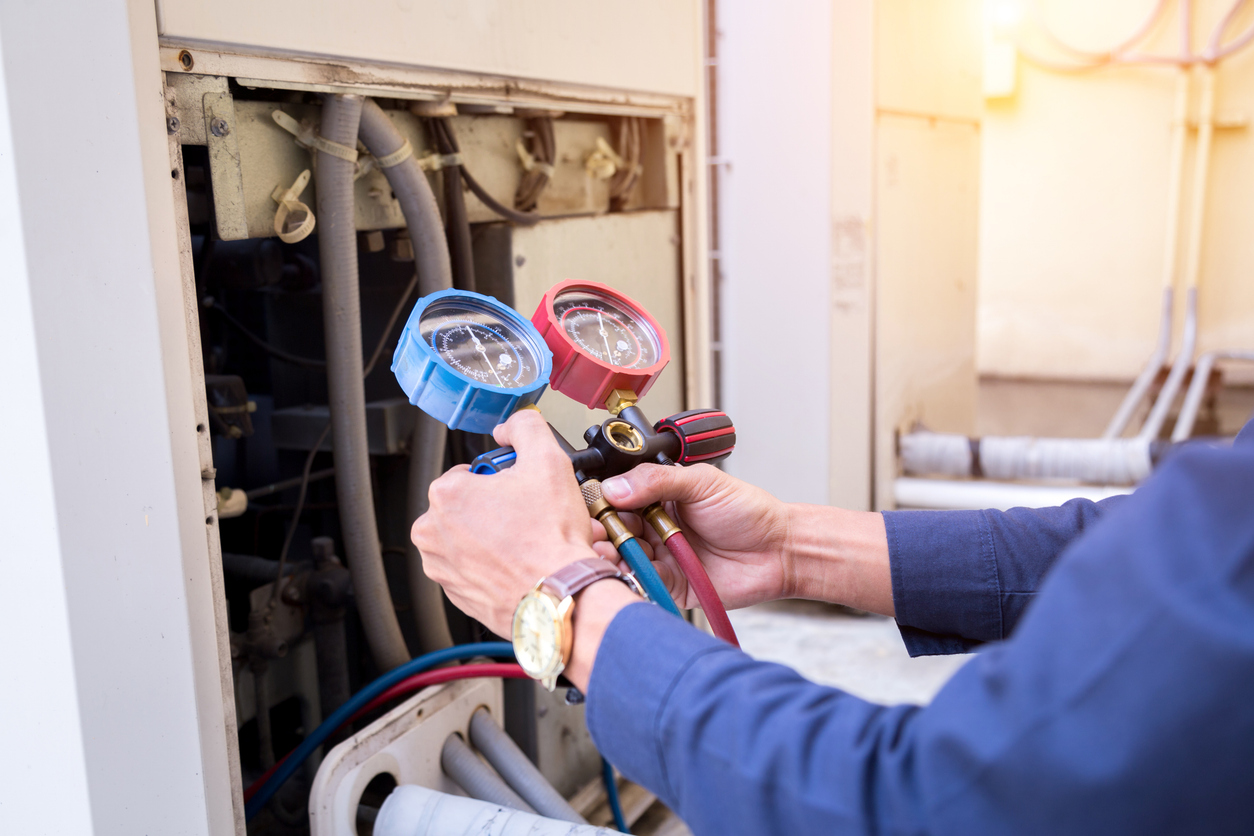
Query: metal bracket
point(224, 166)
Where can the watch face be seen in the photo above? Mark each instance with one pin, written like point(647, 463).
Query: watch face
point(537, 635)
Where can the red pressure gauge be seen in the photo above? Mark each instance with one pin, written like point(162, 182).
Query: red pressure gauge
point(601, 341)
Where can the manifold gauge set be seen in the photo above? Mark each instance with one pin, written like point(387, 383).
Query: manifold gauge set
point(470, 361)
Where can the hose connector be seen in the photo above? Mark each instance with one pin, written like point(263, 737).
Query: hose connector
point(600, 510)
point(661, 521)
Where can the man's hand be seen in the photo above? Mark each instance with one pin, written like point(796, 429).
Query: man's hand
point(754, 547)
point(488, 539)
point(740, 532)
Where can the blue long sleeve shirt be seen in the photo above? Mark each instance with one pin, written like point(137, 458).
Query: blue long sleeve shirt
point(1115, 693)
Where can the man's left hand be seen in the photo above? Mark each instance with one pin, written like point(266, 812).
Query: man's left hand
point(489, 539)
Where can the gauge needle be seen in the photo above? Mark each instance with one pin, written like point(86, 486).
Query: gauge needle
point(483, 355)
point(605, 338)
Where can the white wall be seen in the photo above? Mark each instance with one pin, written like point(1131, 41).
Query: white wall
point(104, 678)
point(1074, 187)
point(775, 138)
point(630, 45)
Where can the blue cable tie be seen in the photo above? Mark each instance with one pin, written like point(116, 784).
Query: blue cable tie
point(357, 701)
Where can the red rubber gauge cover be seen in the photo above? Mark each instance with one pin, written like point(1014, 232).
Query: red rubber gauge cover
point(601, 341)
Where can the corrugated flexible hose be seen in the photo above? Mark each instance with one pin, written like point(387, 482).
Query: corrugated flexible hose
point(431, 255)
point(341, 312)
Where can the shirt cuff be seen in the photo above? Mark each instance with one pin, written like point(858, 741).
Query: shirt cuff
point(946, 592)
point(644, 652)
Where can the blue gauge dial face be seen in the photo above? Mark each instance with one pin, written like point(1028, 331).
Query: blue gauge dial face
point(608, 330)
point(477, 343)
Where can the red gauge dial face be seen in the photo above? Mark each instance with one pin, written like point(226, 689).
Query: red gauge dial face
point(606, 329)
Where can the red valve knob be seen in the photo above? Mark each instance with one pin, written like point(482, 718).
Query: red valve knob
point(705, 435)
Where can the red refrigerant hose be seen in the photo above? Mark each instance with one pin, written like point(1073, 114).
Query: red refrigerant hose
point(407, 686)
point(693, 569)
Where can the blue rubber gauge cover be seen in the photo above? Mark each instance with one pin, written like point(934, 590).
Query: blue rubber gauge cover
point(470, 361)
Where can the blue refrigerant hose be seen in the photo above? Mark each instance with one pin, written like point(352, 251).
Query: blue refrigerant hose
point(629, 549)
point(632, 552)
point(500, 650)
point(611, 795)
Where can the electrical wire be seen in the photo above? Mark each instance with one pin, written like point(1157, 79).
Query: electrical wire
point(300, 504)
point(209, 303)
point(318, 736)
point(611, 795)
point(631, 551)
point(317, 445)
point(695, 572)
point(628, 147)
point(448, 140)
point(542, 145)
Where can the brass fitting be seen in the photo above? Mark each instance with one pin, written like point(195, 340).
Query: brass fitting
point(661, 521)
point(614, 528)
point(594, 499)
point(600, 510)
point(620, 399)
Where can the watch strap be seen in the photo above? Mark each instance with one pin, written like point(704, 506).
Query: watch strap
point(572, 578)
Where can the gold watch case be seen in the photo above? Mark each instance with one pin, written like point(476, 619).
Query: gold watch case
point(542, 635)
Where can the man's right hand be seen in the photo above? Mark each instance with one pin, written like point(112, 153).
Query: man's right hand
point(754, 547)
point(739, 531)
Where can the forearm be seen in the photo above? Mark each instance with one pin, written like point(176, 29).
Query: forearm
point(838, 556)
point(595, 608)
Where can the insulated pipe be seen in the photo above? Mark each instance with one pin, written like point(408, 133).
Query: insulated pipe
point(1193, 267)
point(518, 770)
point(341, 312)
point(1179, 370)
point(1175, 189)
point(1197, 390)
point(417, 811)
point(476, 777)
point(1117, 461)
point(426, 449)
point(979, 494)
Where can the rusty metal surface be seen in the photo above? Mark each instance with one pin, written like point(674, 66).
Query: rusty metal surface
point(222, 137)
point(185, 96)
point(341, 76)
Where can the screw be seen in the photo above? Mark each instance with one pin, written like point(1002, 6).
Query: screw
point(185, 60)
point(172, 125)
point(218, 126)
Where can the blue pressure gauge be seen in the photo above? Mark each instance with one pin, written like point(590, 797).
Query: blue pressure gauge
point(469, 360)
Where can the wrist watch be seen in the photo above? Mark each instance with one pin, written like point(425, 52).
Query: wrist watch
point(543, 632)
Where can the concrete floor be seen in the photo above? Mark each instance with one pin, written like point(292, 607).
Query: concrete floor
point(862, 654)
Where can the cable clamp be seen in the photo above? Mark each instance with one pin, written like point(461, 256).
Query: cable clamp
point(294, 220)
point(435, 162)
point(308, 137)
point(397, 157)
point(529, 162)
point(604, 162)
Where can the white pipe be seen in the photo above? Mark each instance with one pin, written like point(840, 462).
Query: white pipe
point(1193, 266)
point(418, 811)
point(977, 495)
point(1116, 461)
point(1197, 389)
point(1171, 254)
